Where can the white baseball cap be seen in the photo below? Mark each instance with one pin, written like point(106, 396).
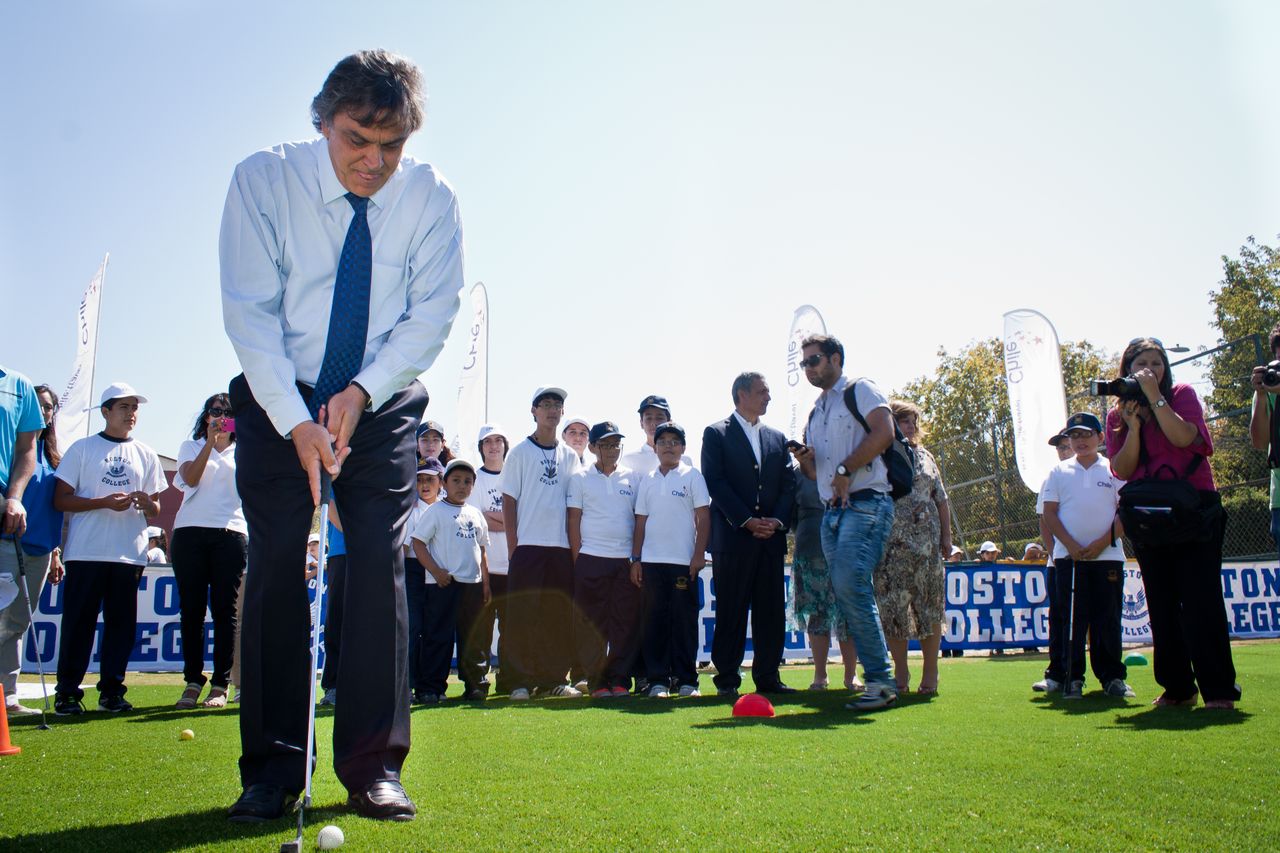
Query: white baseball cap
point(314, 537)
point(573, 421)
point(987, 546)
point(116, 390)
point(154, 532)
point(491, 429)
point(550, 389)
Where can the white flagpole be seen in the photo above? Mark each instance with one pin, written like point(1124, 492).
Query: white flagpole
point(97, 324)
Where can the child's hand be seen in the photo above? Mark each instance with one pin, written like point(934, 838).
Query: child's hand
point(485, 592)
point(637, 574)
point(696, 565)
point(442, 578)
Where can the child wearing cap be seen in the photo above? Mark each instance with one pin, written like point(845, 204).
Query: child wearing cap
point(601, 518)
point(540, 580)
point(109, 485)
point(429, 480)
point(450, 539)
point(577, 434)
point(487, 497)
point(431, 443)
point(1080, 498)
point(673, 522)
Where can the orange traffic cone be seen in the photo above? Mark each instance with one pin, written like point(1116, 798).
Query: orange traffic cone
point(6, 748)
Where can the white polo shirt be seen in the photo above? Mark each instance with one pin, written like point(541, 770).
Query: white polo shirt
point(95, 467)
point(644, 460)
point(487, 497)
point(1087, 499)
point(668, 502)
point(608, 505)
point(214, 502)
point(538, 478)
point(415, 515)
point(454, 536)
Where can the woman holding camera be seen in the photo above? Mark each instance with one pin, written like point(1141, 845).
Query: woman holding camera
point(1150, 432)
point(209, 549)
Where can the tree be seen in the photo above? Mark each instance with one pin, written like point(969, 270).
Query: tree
point(1245, 307)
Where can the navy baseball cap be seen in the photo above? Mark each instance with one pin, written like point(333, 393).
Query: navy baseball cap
point(430, 426)
point(605, 429)
point(656, 402)
point(669, 426)
point(431, 466)
point(1082, 420)
point(1057, 439)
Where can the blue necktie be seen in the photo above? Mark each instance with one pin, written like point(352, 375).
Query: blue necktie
point(349, 314)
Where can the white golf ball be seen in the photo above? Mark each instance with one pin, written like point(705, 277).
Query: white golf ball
point(330, 838)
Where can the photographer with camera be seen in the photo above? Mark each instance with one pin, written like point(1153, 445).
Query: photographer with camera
point(1264, 428)
point(1158, 441)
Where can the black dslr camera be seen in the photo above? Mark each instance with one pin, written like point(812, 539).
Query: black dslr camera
point(1272, 376)
point(1126, 389)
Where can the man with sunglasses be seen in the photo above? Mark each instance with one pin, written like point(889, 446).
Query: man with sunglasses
point(535, 483)
point(844, 458)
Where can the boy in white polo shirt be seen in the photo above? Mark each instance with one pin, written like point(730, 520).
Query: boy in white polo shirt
point(535, 483)
point(109, 485)
point(487, 497)
point(673, 521)
point(430, 478)
point(450, 540)
point(601, 516)
point(1080, 497)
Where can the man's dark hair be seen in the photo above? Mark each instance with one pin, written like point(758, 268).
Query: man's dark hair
point(744, 382)
point(829, 344)
point(378, 89)
point(1275, 337)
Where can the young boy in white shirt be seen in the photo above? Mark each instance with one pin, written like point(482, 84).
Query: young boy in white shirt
point(109, 485)
point(487, 497)
point(601, 517)
point(450, 539)
point(673, 520)
point(429, 480)
point(540, 580)
point(1080, 498)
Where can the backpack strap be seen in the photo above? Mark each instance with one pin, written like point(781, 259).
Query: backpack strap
point(851, 402)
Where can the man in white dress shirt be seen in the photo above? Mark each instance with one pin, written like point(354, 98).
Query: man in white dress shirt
point(341, 273)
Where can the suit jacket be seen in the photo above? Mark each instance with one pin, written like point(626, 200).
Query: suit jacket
point(741, 489)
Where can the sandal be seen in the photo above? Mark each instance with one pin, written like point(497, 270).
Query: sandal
point(1164, 701)
point(190, 696)
point(855, 686)
point(819, 685)
point(1220, 705)
point(217, 698)
point(927, 690)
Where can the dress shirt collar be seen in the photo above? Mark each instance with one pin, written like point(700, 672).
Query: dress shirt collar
point(746, 425)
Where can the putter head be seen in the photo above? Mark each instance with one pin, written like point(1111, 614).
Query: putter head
point(294, 846)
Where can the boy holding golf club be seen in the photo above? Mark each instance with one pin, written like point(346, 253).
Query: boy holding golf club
point(1080, 498)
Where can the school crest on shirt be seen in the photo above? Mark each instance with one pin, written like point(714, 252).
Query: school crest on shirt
point(549, 471)
point(682, 492)
point(117, 471)
point(466, 528)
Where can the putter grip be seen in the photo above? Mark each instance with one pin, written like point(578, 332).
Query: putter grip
point(326, 487)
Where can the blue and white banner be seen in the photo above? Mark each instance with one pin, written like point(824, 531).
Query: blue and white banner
point(989, 606)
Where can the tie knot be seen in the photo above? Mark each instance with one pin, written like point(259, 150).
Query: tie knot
point(358, 203)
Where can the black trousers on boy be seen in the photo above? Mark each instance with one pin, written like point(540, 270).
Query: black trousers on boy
point(91, 586)
point(671, 624)
point(610, 607)
point(540, 612)
point(1099, 601)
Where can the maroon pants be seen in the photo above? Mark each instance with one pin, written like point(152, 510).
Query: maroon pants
point(608, 630)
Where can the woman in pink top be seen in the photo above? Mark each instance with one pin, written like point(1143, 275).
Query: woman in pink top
point(1165, 427)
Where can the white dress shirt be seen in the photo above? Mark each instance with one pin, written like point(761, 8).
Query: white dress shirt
point(753, 433)
point(283, 227)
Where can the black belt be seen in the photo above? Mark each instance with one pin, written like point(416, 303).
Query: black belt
point(863, 494)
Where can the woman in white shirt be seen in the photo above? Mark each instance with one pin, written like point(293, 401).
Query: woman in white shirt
point(209, 549)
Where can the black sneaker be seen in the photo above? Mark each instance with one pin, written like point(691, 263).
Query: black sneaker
point(115, 704)
point(65, 705)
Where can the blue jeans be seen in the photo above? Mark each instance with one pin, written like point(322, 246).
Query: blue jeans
point(853, 539)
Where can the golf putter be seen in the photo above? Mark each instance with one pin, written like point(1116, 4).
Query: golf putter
point(326, 494)
point(1071, 630)
point(31, 624)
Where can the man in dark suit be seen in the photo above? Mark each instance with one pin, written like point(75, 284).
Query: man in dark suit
point(748, 474)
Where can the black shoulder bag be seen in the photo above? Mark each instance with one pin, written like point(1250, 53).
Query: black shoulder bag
point(1168, 510)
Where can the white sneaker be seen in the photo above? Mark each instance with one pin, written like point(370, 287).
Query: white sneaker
point(16, 709)
point(687, 690)
point(564, 691)
point(1047, 685)
point(876, 696)
point(581, 686)
point(520, 694)
point(658, 691)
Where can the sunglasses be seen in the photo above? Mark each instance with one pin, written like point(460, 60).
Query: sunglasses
point(812, 361)
point(218, 412)
point(1155, 341)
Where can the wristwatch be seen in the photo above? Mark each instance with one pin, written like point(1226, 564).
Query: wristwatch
point(635, 558)
point(841, 470)
point(1160, 404)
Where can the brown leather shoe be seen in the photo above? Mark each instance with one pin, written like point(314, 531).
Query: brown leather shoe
point(383, 800)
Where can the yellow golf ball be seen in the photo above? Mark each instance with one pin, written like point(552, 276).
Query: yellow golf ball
point(187, 734)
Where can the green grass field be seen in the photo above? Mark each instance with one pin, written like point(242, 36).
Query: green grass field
point(984, 765)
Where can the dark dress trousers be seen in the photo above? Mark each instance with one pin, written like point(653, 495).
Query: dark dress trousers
point(376, 492)
point(747, 571)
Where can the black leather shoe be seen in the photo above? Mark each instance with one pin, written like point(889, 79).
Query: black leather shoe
point(776, 689)
point(383, 800)
point(260, 802)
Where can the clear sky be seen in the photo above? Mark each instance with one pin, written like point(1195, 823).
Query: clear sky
point(650, 189)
